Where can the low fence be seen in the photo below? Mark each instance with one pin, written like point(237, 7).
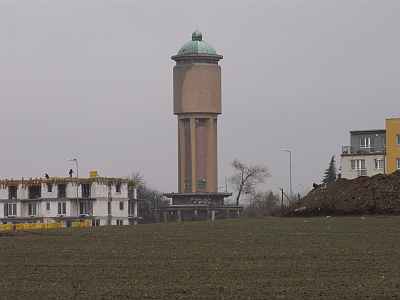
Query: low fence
point(42, 226)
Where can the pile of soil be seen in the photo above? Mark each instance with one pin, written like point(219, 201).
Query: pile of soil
point(379, 194)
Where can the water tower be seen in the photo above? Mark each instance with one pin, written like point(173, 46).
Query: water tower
point(197, 104)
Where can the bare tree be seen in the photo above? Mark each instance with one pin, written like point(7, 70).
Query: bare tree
point(263, 204)
point(136, 179)
point(246, 177)
point(150, 198)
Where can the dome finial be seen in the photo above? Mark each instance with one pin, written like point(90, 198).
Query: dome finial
point(197, 36)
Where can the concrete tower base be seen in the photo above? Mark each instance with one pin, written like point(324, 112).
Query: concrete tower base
point(198, 206)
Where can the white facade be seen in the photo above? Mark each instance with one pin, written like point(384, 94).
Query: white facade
point(104, 201)
point(353, 166)
point(365, 156)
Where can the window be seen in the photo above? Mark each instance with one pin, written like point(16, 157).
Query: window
point(62, 188)
point(379, 164)
point(121, 205)
point(32, 209)
point(12, 192)
point(358, 164)
point(35, 191)
point(86, 190)
point(398, 139)
point(365, 142)
point(120, 222)
point(62, 208)
point(48, 205)
point(49, 187)
point(118, 187)
point(398, 164)
point(10, 209)
point(85, 207)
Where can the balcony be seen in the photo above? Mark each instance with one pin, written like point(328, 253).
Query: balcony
point(350, 150)
point(361, 172)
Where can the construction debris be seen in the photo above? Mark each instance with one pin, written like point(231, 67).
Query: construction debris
point(379, 194)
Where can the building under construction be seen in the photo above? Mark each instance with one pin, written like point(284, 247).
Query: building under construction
point(98, 200)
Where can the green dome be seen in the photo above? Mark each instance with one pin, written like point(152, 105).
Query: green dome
point(197, 46)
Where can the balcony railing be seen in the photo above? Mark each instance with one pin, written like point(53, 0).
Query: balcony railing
point(366, 150)
point(362, 172)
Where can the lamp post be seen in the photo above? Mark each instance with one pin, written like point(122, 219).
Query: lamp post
point(290, 170)
point(75, 160)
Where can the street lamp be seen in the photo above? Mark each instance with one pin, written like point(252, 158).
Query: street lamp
point(290, 170)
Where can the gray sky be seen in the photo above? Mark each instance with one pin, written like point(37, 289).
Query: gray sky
point(93, 79)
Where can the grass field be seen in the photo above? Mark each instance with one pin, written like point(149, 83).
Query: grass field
point(273, 258)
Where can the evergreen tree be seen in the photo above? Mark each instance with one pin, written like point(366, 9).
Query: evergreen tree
point(330, 173)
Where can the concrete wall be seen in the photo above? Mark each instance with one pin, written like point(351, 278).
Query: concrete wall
point(100, 207)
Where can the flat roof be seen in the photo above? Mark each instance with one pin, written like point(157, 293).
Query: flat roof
point(61, 180)
point(369, 131)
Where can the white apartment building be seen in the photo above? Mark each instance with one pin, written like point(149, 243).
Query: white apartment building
point(366, 154)
point(103, 201)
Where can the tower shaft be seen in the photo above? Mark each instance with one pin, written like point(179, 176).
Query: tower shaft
point(197, 103)
point(197, 153)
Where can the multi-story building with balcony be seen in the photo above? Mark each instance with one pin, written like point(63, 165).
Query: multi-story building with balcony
point(372, 152)
point(366, 154)
point(104, 201)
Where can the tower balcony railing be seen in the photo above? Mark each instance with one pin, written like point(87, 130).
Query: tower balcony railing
point(362, 150)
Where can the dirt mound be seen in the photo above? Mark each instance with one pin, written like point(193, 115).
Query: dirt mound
point(379, 194)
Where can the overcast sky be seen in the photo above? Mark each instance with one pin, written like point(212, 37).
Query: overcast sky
point(93, 80)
